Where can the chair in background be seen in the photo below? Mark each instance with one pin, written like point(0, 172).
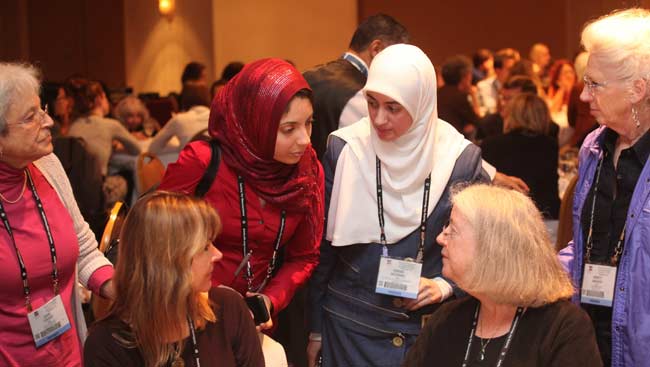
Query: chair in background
point(108, 245)
point(149, 171)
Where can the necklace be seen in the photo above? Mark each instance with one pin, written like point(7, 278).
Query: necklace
point(22, 191)
point(484, 344)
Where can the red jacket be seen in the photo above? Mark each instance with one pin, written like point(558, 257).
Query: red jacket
point(300, 255)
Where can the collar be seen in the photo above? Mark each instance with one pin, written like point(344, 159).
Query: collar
point(641, 148)
point(357, 62)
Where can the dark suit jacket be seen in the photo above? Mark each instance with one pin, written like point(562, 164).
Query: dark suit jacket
point(534, 159)
point(333, 84)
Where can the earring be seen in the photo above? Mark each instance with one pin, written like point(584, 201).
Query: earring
point(635, 117)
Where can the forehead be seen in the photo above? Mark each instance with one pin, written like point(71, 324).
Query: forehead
point(21, 105)
point(597, 69)
point(380, 97)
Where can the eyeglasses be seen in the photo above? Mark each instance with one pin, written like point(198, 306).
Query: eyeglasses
point(448, 231)
point(38, 117)
point(592, 86)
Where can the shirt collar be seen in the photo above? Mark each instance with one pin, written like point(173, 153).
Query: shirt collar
point(641, 148)
point(357, 62)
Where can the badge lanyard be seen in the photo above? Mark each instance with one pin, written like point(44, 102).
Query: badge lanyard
point(248, 253)
point(423, 221)
point(50, 240)
point(618, 250)
point(506, 345)
point(195, 345)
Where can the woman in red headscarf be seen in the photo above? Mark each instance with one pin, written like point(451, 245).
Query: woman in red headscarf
point(269, 186)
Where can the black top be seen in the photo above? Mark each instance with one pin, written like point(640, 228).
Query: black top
point(454, 107)
point(558, 334)
point(230, 341)
point(333, 84)
point(531, 157)
point(615, 191)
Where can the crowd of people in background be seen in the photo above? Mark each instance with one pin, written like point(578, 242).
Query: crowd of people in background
point(374, 210)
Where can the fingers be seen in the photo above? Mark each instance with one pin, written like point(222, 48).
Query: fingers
point(429, 294)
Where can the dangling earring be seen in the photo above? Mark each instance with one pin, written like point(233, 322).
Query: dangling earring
point(635, 117)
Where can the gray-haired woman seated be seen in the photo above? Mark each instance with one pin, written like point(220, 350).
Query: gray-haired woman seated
point(496, 248)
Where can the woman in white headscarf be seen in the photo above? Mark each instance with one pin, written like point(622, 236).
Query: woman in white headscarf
point(387, 181)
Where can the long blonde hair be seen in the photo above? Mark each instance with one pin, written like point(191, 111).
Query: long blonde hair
point(153, 280)
point(516, 263)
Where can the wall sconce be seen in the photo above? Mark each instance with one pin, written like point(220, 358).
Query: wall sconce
point(166, 8)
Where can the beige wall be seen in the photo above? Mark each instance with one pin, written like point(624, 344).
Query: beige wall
point(219, 31)
point(306, 32)
point(157, 49)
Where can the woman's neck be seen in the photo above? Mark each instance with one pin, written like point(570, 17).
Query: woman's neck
point(97, 111)
point(494, 319)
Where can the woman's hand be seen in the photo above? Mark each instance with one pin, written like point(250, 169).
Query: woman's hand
point(267, 302)
point(429, 293)
point(313, 352)
point(512, 182)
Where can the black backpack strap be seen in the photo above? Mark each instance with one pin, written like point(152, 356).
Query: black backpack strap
point(211, 173)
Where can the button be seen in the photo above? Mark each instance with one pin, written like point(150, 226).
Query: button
point(261, 221)
point(622, 289)
point(398, 302)
point(398, 341)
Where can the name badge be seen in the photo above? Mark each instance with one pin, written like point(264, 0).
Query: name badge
point(598, 282)
point(400, 278)
point(48, 321)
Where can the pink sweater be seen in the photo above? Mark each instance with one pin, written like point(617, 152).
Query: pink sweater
point(17, 346)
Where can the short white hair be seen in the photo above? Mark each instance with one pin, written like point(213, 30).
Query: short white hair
point(622, 41)
point(17, 82)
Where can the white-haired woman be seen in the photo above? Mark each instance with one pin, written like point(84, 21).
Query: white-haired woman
point(609, 256)
point(134, 115)
point(496, 248)
point(45, 244)
point(387, 180)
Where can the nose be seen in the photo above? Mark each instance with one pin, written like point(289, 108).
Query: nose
point(585, 95)
point(47, 121)
point(216, 254)
point(381, 118)
point(442, 239)
point(304, 137)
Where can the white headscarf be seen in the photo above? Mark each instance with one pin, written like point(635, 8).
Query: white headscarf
point(405, 74)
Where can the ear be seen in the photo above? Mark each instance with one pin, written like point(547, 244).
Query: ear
point(639, 90)
point(375, 47)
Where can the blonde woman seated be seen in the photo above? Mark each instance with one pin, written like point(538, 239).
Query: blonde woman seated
point(495, 247)
point(163, 313)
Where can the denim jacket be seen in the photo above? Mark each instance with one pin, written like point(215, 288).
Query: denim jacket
point(631, 306)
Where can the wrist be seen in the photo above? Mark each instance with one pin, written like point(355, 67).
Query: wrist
point(445, 288)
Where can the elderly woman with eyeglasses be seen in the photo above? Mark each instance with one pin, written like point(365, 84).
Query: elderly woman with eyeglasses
point(496, 248)
point(609, 257)
point(45, 244)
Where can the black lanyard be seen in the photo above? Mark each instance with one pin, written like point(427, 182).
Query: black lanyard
point(244, 236)
point(423, 220)
point(506, 345)
point(195, 345)
point(50, 240)
point(618, 250)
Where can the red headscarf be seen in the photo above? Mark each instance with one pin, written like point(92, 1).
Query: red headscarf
point(244, 118)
